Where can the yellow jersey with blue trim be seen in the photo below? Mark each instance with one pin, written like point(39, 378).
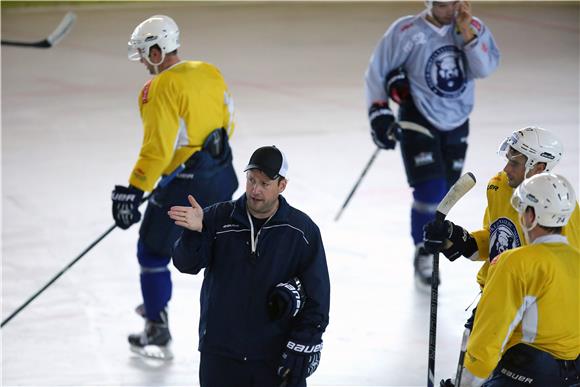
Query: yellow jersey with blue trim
point(179, 108)
point(531, 297)
point(501, 227)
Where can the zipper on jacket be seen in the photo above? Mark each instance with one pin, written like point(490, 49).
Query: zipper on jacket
point(254, 240)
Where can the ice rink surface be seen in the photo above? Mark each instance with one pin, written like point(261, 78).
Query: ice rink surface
point(71, 131)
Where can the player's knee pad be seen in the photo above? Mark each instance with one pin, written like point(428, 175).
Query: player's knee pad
point(148, 260)
point(455, 143)
point(430, 192)
point(426, 197)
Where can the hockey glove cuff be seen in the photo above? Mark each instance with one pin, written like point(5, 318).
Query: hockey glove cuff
point(384, 127)
point(299, 361)
point(126, 202)
point(286, 299)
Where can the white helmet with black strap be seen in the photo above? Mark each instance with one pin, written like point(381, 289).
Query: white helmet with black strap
point(158, 30)
point(537, 144)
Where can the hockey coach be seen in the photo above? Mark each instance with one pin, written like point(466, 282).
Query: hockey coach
point(266, 292)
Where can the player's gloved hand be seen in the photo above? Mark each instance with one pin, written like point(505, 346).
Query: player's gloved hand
point(299, 361)
point(286, 299)
point(446, 383)
point(397, 86)
point(126, 202)
point(448, 238)
point(384, 127)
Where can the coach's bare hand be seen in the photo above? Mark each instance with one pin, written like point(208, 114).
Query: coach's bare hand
point(189, 217)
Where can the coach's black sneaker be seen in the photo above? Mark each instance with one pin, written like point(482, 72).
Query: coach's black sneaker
point(423, 263)
point(154, 341)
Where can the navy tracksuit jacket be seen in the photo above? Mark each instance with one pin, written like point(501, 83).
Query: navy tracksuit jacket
point(234, 321)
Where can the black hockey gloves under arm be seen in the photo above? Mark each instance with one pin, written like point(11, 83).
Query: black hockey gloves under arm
point(126, 202)
point(397, 86)
point(286, 299)
point(383, 126)
point(448, 238)
point(299, 361)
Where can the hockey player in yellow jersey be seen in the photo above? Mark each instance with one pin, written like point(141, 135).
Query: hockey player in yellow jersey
point(528, 317)
point(528, 151)
point(187, 115)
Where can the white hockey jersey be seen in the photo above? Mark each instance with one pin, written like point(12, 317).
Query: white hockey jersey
point(440, 67)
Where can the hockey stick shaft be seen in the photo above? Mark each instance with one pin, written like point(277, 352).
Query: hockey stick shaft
point(466, 334)
point(60, 31)
point(163, 183)
point(353, 190)
point(460, 188)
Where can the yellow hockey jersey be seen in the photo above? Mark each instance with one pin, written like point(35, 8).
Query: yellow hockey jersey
point(501, 228)
point(531, 297)
point(179, 108)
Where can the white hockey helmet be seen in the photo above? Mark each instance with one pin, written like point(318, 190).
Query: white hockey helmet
point(537, 144)
point(551, 196)
point(158, 30)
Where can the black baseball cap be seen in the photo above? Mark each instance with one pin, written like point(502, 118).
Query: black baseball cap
point(269, 160)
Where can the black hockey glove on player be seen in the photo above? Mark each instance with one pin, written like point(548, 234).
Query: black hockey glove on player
point(286, 299)
point(299, 361)
point(446, 383)
point(126, 202)
point(384, 128)
point(448, 238)
point(397, 86)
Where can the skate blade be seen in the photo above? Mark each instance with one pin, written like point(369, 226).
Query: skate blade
point(153, 352)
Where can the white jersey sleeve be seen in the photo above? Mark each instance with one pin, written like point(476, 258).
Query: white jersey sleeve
point(388, 55)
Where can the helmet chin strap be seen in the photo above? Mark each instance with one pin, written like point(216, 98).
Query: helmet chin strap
point(527, 229)
point(155, 65)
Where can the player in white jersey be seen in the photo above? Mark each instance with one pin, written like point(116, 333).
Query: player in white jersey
point(529, 314)
point(428, 63)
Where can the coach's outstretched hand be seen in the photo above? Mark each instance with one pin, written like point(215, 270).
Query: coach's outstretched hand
point(190, 218)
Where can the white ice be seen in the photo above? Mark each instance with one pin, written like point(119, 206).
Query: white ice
point(71, 131)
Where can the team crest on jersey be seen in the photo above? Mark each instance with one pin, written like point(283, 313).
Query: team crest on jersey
point(444, 72)
point(503, 235)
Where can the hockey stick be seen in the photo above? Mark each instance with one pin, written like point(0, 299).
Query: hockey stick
point(362, 175)
point(466, 334)
point(460, 188)
point(163, 183)
point(61, 30)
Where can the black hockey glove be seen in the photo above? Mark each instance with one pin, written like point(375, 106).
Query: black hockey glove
point(126, 202)
point(299, 361)
point(384, 128)
point(397, 86)
point(446, 383)
point(286, 299)
point(448, 238)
